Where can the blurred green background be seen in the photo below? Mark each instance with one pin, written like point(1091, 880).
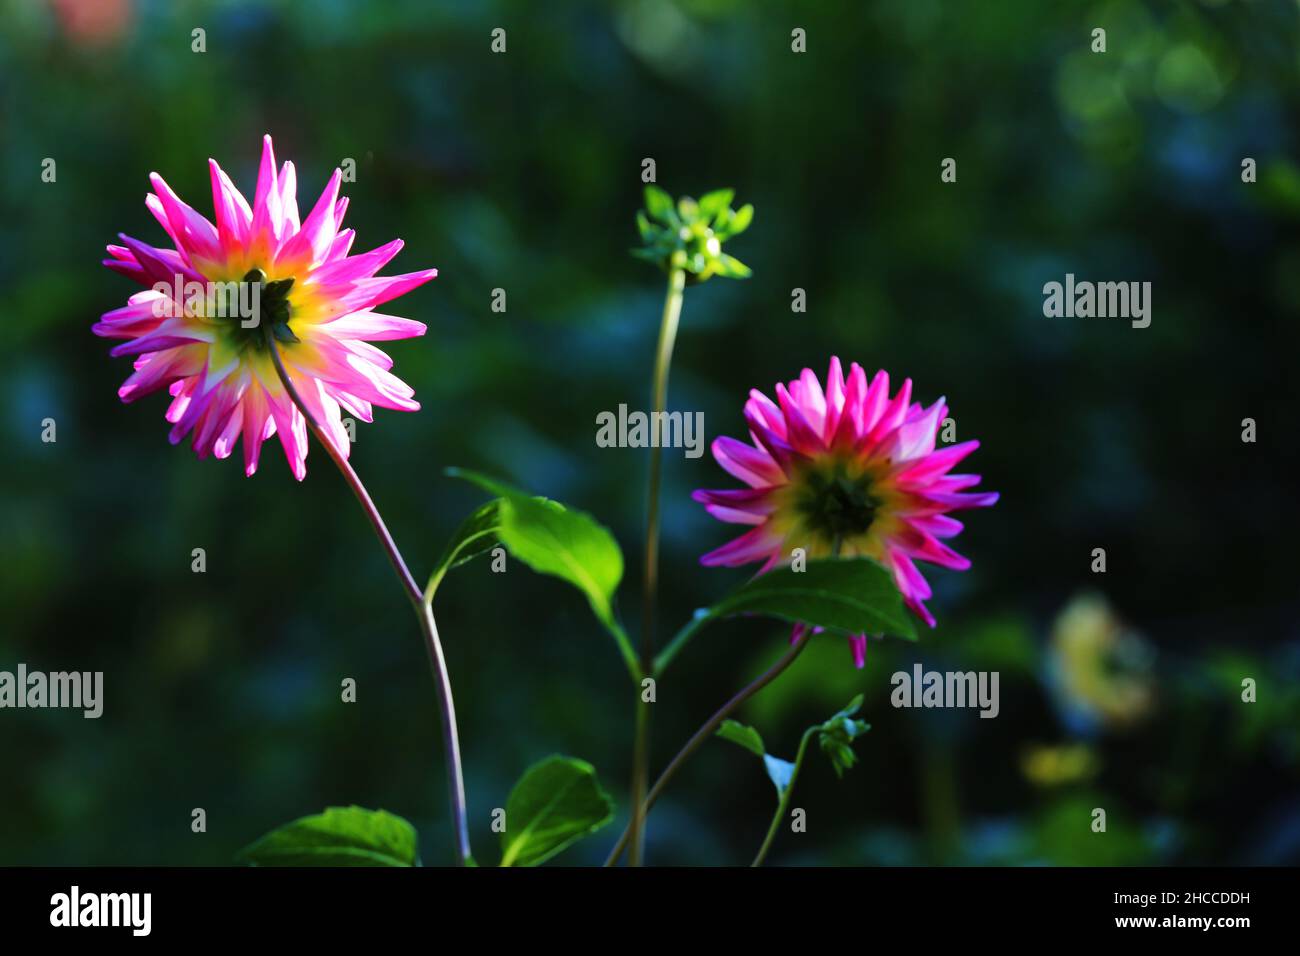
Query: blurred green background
point(522, 171)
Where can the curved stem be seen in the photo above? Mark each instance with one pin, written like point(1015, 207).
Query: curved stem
point(706, 731)
point(784, 802)
point(423, 612)
point(650, 570)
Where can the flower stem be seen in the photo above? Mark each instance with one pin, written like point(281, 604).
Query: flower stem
point(784, 802)
point(650, 580)
point(706, 731)
point(423, 613)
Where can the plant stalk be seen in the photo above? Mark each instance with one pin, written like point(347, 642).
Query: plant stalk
point(650, 581)
point(707, 730)
point(423, 612)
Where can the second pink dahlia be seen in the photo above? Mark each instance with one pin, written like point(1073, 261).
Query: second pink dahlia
point(848, 469)
point(316, 306)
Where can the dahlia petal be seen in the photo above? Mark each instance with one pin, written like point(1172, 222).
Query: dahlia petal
point(292, 429)
point(851, 424)
point(802, 434)
point(312, 242)
point(341, 245)
point(834, 400)
point(858, 647)
point(234, 216)
point(161, 266)
point(367, 293)
point(737, 506)
point(289, 198)
point(914, 439)
point(373, 326)
point(345, 271)
point(936, 463)
point(268, 214)
point(762, 409)
point(753, 466)
point(750, 546)
point(194, 235)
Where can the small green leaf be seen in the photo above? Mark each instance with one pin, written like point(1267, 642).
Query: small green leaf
point(476, 535)
point(341, 836)
point(658, 203)
point(739, 221)
point(733, 268)
point(643, 226)
point(713, 203)
point(845, 595)
point(745, 736)
point(836, 736)
point(555, 803)
point(554, 540)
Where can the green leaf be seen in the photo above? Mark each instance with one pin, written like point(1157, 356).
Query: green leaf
point(740, 220)
point(732, 268)
point(845, 595)
point(341, 836)
point(779, 771)
point(713, 203)
point(647, 231)
point(745, 736)
point(658, 203)
point(554, 540)
point(476, 535)
point(555, 803)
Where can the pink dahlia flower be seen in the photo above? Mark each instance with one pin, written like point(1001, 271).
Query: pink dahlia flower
point(204, 328)
point(847, 468)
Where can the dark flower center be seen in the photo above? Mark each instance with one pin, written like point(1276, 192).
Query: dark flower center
point(836, 505)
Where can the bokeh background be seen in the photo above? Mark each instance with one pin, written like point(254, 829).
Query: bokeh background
point(522, 171)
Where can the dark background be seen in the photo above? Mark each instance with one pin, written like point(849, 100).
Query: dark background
point(522, 171)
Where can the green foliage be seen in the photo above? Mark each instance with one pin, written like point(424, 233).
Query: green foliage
point(780, 772)
point(556, 802)
point(476, 535)
point(844, 595)
point(341, 836)
point(566, 544)
point(744, 735)
point(836, 736)
point(689, 234)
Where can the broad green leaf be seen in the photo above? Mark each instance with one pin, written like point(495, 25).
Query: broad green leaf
point(555, 803)
point(476, 535)
point(658, 203)
point(745, 736)
point(846, 595)
point(341, 836)
point(779, 771)
point(554, 540)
